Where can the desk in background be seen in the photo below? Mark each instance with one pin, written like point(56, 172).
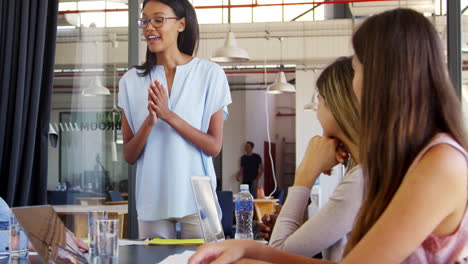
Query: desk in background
point(91, 200)
point(264, 206)
point(79, 215)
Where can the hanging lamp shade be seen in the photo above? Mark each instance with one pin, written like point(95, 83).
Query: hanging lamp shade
point(114, 151)
point(280, 85)
point(230, 52)
point(310, 106)
point(95, 88)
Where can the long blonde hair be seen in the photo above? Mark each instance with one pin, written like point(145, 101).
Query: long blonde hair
point(335, 86)
point(407, 97)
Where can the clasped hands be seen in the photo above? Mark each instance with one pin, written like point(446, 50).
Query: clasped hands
point(158, 101)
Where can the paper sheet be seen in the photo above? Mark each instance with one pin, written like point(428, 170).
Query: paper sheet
point(178, 258)
point(127, 242)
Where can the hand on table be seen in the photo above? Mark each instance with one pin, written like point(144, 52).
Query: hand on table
point(224, 252)
point(268, 223)
point(82, 246)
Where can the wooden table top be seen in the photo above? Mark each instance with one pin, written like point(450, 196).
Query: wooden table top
point(266, 200)
point(76, 208)
point(91, 198)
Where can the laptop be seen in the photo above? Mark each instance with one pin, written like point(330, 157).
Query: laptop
point(48, 235)
point(207, 210)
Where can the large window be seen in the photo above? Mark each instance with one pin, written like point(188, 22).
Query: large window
point(113, 13)
point(91, 55)
point(93, 14)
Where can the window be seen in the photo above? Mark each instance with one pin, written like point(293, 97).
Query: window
point(88, 158)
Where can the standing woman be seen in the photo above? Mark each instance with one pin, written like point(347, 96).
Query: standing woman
point(174, 106)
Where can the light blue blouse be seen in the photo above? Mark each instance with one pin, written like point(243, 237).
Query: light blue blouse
point(164, 168)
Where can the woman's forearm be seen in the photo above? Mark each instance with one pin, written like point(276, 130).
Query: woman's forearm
point(134, 147)
point(305, 178)
point(269, 254)
point(208, 142)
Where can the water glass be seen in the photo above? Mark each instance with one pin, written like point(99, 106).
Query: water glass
point(18, 245)
point(106, 250)
point(4, 235)
point(92, 217)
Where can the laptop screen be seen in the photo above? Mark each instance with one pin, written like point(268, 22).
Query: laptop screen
point(48, 234)
point(207, 210)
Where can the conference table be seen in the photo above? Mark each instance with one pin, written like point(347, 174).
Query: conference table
point(128, 254)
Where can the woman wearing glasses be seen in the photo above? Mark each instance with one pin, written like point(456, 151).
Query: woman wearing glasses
point(174, 106)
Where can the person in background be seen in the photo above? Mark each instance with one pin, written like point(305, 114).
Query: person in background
point(251, 168)
point(412, 150)
point(174, 107)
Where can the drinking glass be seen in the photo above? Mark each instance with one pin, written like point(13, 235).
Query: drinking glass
point(92, 217)
point(106, 250)
point(18, 245)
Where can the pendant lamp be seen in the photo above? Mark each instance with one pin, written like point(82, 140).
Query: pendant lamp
point(114, 151)
point(280, 85)
point(95, 88)
point(53, 136)
point(230, 52)
point(115, 112)
point(310, 106)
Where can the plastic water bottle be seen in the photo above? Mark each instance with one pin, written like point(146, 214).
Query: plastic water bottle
point(244, 213)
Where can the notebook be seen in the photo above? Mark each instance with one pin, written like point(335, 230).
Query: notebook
point(207, 210)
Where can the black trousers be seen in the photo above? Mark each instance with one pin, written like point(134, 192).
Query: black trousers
point(252, 188)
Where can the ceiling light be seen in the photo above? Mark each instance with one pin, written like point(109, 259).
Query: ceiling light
point(310, 106)
point(230, 52)
point(95, 88)
point(280, 85)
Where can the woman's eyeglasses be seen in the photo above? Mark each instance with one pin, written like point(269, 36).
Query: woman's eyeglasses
point(156, 22)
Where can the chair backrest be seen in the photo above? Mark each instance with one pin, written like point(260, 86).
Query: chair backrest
point(115, 196)
point(225, 199)
point(57, 197)
point(281, 196)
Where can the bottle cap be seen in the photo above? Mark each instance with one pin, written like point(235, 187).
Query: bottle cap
point(244, 187)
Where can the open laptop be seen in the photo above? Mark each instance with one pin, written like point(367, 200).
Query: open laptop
point(48, 235)
point(207, 210)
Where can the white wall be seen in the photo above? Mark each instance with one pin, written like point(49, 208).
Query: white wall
point(256, 120)
point(248, 121)
point(233, 140)
point(308, 126)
